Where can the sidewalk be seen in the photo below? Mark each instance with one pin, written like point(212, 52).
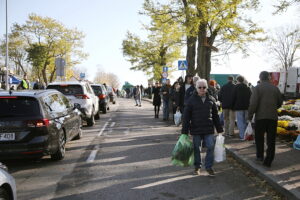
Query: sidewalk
point(284, 175)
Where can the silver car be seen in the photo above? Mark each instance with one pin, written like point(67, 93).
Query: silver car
point(8, 189)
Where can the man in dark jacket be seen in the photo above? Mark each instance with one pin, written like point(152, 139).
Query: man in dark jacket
point(188, 82)
point(225, 97)
point(38, 85)
point(241, 99)
point(200, 118)
point(264, 102)
point(192, 89)
point(166, 96)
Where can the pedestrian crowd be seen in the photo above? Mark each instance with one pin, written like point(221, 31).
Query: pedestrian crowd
point(207, 108)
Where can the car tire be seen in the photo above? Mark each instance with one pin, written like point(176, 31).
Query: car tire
point(79, 135)
point(104, 109)
point(4, 195)
point(91, 121)
point(97, 116)
point(108, 108)
point(61, 151)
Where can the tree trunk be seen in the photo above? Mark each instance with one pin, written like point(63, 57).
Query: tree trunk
point(52, 75)
point(202, 54)
point(44, 76)
point(190, 54)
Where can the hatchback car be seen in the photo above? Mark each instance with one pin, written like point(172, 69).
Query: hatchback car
point(8, 189)
point(101, 92)
point(36, 123)
point(80, 92)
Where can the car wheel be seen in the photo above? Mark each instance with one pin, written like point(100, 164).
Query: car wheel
point(79, 136)
point(104, 110)
point(97, 116)
point(91, 120)
point(107, 108)
point(61, 151)
point(4, 195)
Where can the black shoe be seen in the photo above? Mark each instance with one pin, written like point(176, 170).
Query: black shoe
point(197, 171)
point(136, 105)
point(267, 164)
point(210, 172)
point(140, 105)
point(259, 159)
point(164, 119)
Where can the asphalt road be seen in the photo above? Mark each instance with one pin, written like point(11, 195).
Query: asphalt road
point(126, 155)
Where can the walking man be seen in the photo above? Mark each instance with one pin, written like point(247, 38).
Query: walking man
point(166, 93)
point(264, 102)
point(225, 98)
point(200, 118)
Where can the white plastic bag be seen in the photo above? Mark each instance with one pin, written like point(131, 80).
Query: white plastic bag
point(248, 135)
point(220, 152)
point(177, 118)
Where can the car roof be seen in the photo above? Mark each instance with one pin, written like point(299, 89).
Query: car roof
point(69, 83)
point(27, 93)
point(98, 84)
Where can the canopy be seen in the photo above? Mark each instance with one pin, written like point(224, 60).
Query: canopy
point(14, 80)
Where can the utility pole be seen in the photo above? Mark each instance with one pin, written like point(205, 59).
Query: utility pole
point(6, 56)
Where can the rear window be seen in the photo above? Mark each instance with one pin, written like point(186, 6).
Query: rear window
point(18, 106)
point(97, 89)
point(67, 89)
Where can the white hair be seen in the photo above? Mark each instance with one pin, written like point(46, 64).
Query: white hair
point(201, 82)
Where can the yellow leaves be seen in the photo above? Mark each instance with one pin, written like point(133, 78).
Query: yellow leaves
point(283, 124)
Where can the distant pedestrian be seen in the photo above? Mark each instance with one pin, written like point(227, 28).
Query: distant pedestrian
point(212, 89)
point(225, 97)
point(156, 99)
point(241, 99)
point(176, 100)
point(200, 119)
point(264, 102)
point(166, 94)
point(192, 89)
point(24, 85)
point(38, 85)
point(188, 82)
point(137, 96)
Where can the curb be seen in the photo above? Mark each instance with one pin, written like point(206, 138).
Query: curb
point(293, 195)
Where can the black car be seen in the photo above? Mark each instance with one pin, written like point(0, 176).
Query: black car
point(37, 123)
point(101, 92)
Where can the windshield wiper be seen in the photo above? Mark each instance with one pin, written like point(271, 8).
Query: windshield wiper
point(11, 115)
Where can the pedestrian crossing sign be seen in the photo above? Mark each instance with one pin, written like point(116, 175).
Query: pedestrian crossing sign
point(182, 65)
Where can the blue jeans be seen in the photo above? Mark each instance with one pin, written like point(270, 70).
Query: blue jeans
point(242, 116)
point(166, 109)
point(209, 144)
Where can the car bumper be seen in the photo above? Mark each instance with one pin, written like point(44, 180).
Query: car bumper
point(37, 147)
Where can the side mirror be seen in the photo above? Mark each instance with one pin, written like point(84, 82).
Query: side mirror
point(77, 105)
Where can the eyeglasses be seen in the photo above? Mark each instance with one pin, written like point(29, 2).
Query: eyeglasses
point(202, 88)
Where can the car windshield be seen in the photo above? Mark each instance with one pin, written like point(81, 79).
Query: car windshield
point(67, 89)
point(18, 106)
point(97, 89)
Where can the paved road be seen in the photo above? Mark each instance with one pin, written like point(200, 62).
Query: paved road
point(127, 156)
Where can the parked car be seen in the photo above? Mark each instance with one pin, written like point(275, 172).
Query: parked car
point(80, 92)
point(101, 92)
point(36, 123)
point(8, 189)
point(111, 94)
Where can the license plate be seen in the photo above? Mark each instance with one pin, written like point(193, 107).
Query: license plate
point(7, 136)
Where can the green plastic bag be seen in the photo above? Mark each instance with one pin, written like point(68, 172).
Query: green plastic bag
point(183, 152)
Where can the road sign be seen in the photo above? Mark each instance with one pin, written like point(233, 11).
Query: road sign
point(165, 69)
point(60, 64)
point(163, 80)
point(82, 75)
point(182, 65)
point(165, 74)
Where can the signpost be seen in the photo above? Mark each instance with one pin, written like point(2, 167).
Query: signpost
point(60, 64)
point(182, 65)
point(82, 76)
point(164, 75)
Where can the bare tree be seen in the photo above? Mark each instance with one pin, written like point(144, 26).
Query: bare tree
point(283, 47)
point(109, 78)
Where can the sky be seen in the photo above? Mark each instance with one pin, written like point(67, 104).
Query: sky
point(105, 24)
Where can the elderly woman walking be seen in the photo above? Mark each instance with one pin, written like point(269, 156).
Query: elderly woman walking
point(200, 118)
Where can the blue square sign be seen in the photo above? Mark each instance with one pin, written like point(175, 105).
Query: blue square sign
point(182, 65)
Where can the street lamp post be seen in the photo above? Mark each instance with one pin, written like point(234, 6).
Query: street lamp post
point(6, 56)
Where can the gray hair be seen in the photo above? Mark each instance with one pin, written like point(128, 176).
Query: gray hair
point(201, 82)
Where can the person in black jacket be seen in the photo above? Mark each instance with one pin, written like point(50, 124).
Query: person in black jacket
point(156, 99)
point(200, 118)
point(192, 89)
point(188, 82)
point(241, 100)
point(225, 97)
point(176, 100)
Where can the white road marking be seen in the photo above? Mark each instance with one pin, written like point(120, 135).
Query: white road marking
point(109, 119)
point(112, 124)
point(103, 128)
point(164, 181)
point(93, 154)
